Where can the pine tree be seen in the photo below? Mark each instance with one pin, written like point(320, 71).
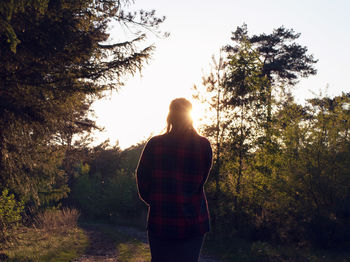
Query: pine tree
point(244, 88)
point(283, 60)
point(55, 57)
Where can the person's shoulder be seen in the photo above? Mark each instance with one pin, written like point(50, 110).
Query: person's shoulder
point(158, 137)
point(200, 137)
point(203, 140)
point(155, 139)
point(150, 144)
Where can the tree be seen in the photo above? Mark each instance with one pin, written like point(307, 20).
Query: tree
point(55, 57)
point(10, 8)
point(104, 185)
point(326, 183)
point(310, 185)
point(284, 167)
point(214, 95)
point(283, 60)
point(244, 86)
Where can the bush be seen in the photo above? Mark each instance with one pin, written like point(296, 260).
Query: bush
point(86, 195)
point(111, 198)
point(10, 213)
point(120, 197)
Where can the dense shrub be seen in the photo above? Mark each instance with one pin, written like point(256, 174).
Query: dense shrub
point(10, 213)
point(111, 198)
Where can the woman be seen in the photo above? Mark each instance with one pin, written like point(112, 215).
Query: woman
point(170, 176)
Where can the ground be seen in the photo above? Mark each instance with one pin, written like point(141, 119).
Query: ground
point(106, 245)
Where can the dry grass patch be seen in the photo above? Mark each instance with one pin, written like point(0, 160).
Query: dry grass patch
point(42, 245)
point(55, 236)
point(54, 219)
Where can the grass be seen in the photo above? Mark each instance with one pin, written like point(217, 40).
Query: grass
point(54, 236)
point(52, 219)
point(239, 250)
point(66, 242)
point(42, 245)
point(62, 243)
point(133, 251)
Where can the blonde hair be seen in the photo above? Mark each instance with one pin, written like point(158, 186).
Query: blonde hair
point(179, 116)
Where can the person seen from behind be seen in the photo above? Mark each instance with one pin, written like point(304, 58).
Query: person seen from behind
point(171, 174)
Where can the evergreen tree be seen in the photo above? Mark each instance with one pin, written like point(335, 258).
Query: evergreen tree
point(244, 87)
point(55, 57)
point(214, 97)
point(283, 61)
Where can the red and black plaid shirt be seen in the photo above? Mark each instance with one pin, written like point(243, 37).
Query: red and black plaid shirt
point(170, 177)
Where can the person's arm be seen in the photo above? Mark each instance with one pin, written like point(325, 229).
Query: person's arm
point(143, 173)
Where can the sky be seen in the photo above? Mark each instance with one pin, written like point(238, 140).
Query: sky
point(198, 29)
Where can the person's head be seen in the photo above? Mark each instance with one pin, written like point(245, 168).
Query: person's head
point(179, 117)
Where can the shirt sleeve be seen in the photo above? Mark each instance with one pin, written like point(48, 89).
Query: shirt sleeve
point(143, 173)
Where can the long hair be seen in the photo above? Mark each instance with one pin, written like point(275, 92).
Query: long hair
point(179, 116)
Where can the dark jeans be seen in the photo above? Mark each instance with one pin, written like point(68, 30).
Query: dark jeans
point(179, 250)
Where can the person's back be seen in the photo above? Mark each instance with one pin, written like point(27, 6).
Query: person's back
point(171, 174)
point(180, 166)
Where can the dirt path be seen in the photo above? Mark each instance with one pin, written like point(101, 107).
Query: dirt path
point(103, 248)
point(142, 236)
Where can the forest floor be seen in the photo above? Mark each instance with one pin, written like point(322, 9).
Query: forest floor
point(119, 243)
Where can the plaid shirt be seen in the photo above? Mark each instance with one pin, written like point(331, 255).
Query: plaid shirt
point(170, 177)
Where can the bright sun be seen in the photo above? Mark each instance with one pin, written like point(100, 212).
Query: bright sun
point(197, 113)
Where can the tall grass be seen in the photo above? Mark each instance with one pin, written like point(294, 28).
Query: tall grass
point(57, 219)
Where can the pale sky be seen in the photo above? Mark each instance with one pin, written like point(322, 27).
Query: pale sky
point(198, 29)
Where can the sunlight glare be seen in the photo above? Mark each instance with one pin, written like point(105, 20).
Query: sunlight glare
point(197, 113)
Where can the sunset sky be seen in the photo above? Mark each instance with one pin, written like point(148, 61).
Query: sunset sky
point(197, 31)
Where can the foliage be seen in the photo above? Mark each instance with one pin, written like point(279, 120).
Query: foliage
point(283, 167)
point(283, 60)
point(86, 194)
point(56, 57)
point(216, 131)
point(10, 8)
point(105, 162)
point(130, 157)
point(108, 190)
point(303, 197)
point(10, 213)
point(283, 63)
